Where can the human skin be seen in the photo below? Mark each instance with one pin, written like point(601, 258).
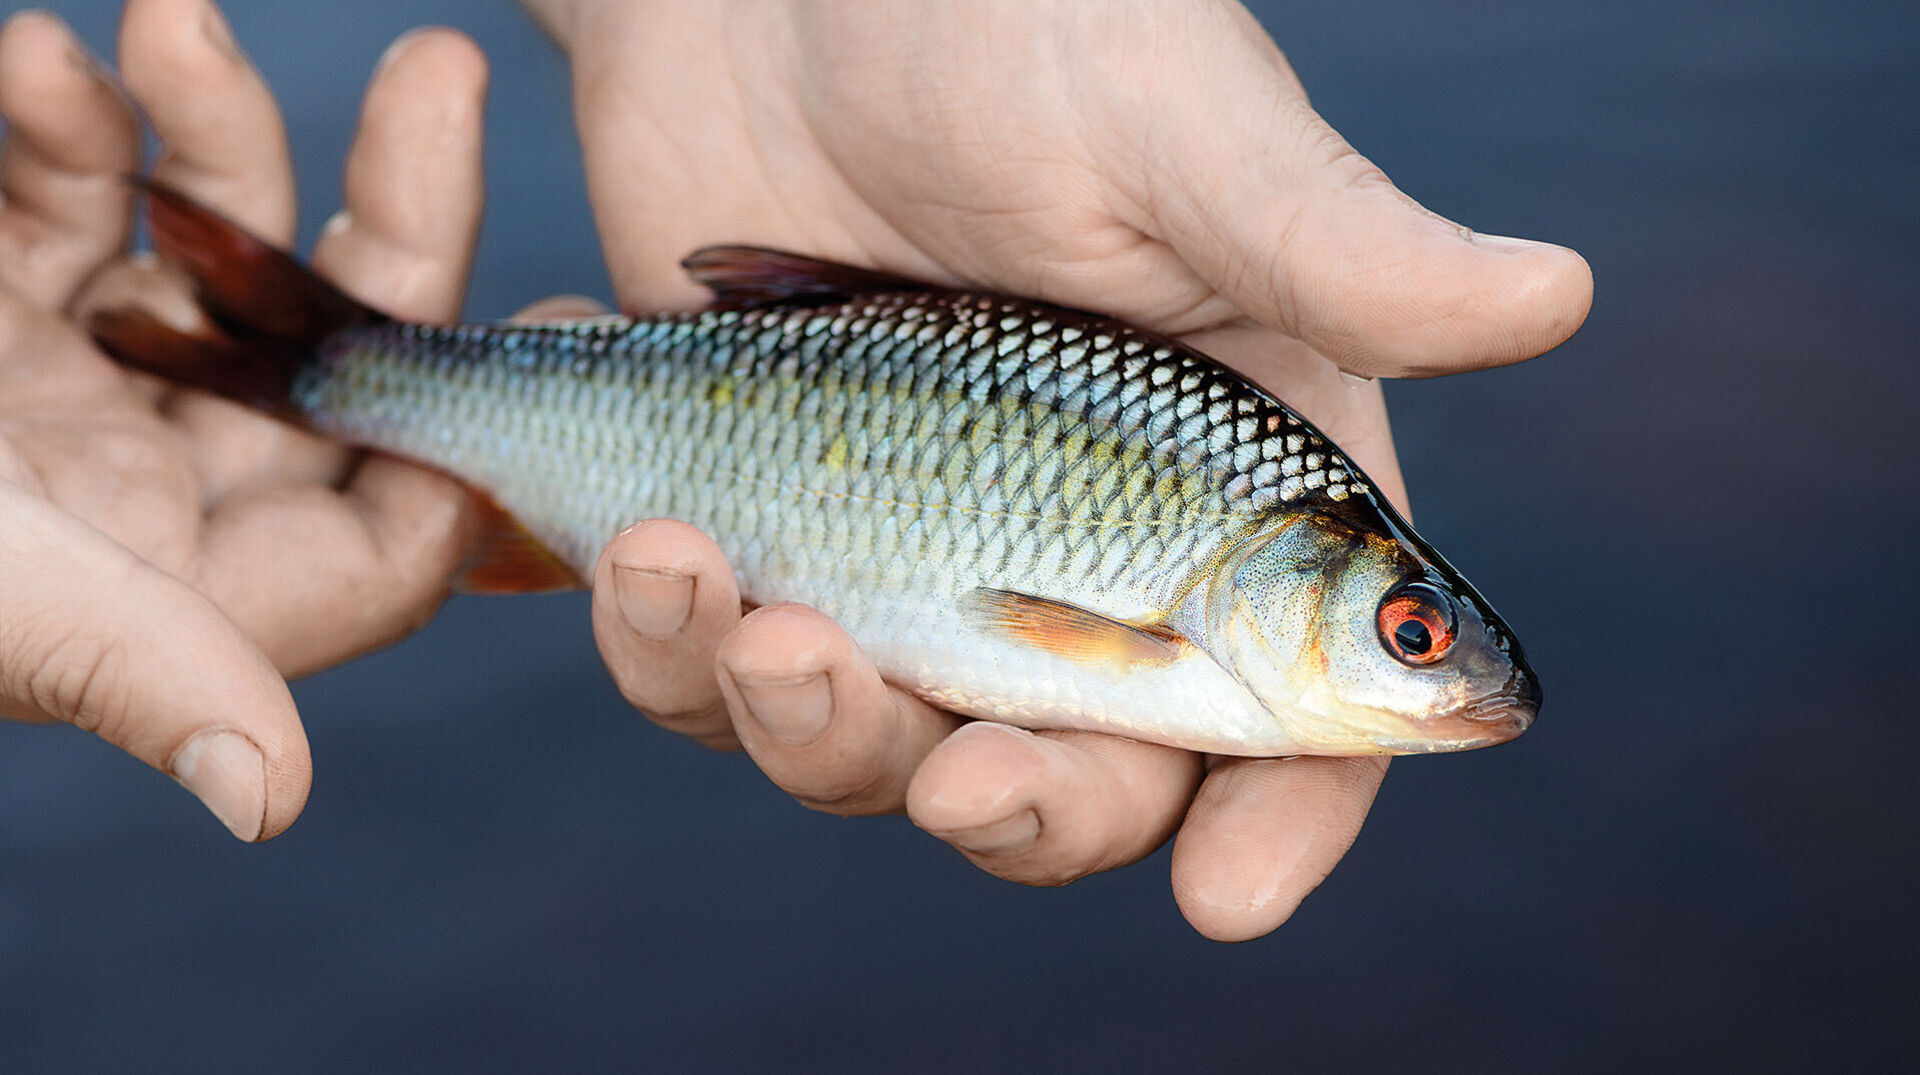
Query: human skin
point(166, 557)
point(1156, 160)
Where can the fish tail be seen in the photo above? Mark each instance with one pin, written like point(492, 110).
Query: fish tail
point(265, 312)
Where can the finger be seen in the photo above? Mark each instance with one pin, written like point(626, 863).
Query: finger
point(95, 637)
point(46, 364)
point(1262, 834)
point(561, 308)
point(71, 140)
point(414, 187)
point(222, 141)
point(315, 577)
point(815, 716)
point(376, 562)
point(1048, 808)
point(663, 599)
point(404, 243)
point(1282, 216)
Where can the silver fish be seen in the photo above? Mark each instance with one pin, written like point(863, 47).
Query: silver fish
point(1022, 513)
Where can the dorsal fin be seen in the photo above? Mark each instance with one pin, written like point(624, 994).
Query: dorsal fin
point(743, 277)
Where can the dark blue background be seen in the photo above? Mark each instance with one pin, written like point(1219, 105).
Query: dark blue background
point(1699, 513)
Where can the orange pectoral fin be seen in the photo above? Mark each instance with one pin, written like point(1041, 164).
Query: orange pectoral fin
point(509, 559)
point(1073, 632)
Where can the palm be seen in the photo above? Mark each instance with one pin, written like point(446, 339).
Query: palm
point(157, 471)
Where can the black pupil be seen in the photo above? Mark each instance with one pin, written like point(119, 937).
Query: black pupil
point(1413, 637)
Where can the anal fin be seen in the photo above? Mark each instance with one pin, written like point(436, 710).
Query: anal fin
point(509, 559)
point(1069, 631)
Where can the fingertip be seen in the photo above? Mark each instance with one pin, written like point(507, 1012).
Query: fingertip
point(665, 544)
point(784, 639)
point(71, 137)
point(448, 50)
point(1262, 834)
point(1314, 240)
point(778, 670)
point(437, 63)
point(227, 771)
point(221, 136)
point(982, 774)
point(414, 182)
point(561, 308)
point(663, 600)
point(658, 575)
point(1558, 283)
point(1420, 296)
point(36, 37)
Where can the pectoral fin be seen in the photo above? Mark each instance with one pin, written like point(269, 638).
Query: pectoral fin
point(1071, 631)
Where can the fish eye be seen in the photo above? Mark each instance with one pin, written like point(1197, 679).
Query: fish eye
point(1417, 623)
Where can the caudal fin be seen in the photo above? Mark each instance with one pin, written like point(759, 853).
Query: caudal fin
point(265, 311)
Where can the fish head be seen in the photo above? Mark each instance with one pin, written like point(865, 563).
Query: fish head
point(1359, 639)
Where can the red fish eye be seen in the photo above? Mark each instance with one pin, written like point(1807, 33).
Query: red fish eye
point(1416, 623)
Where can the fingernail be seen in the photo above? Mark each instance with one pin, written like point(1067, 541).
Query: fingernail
point(336, 224)
point(229, 775)
point(795, 711)
point(394, 51)
point(655, 602)
point(1007, 836)
point(1504, 242)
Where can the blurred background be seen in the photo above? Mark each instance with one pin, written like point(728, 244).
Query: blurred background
point(1694, 513)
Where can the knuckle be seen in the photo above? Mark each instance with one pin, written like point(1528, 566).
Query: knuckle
point(1034, 869)
point(78, 678)
point(846, 792)
point(705, 723)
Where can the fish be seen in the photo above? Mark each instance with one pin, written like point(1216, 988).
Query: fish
point(1021, 512)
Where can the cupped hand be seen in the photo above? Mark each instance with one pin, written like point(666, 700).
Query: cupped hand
point(1153, 159)
point(165, 557)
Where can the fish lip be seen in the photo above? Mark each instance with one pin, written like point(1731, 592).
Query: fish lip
point(1515, 704)
point(1484, 722)
point(1500, 721)
point(1502, 709)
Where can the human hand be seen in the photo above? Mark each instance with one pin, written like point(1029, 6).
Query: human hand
point(1156, 160)
point(165, 556)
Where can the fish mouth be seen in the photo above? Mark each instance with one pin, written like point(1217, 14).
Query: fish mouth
point(1501, 716)
point(1500, 719)
point(1485, 722)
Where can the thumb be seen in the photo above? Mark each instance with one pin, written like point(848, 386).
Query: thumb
point(93, 636)
point(1286, 220)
